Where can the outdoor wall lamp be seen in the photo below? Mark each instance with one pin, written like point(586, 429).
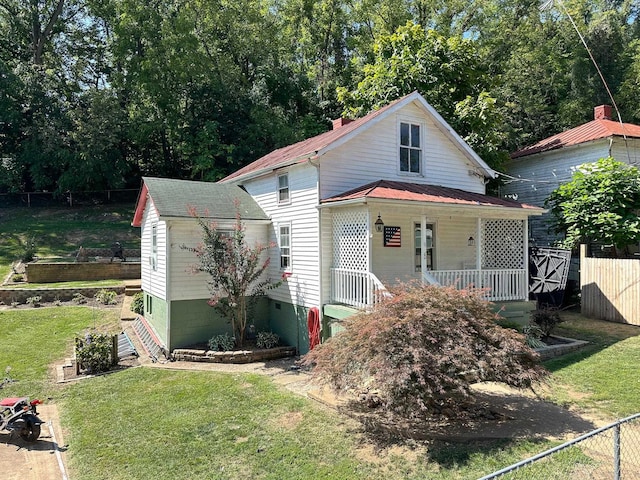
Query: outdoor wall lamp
point(471, 242)
point(379, 224)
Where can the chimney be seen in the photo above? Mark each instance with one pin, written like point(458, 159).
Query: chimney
point(341, 122)
point(602, 112)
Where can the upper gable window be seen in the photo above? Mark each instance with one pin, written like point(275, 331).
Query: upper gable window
point(410, 148)
point(283, 188)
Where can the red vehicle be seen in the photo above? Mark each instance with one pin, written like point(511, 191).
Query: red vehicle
point(19, 415)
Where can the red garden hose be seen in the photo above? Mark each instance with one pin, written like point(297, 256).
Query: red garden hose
point(313, 323)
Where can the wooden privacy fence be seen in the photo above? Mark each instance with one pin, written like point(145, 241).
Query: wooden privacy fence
point(610, 288)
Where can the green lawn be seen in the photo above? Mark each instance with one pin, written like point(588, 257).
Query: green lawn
point(60, 231)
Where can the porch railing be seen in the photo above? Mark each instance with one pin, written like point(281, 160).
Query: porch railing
point(500, 284)
point(356, 288)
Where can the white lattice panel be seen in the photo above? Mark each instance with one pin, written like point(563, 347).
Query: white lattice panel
point(350, 239)
point(503, 243)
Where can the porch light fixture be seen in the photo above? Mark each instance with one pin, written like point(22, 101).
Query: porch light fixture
point(471, 242)
point(379, 224)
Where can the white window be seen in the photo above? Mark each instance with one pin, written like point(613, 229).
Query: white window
point(410, 148)
point(154, 247)
point(284, 239)
point(283, 188)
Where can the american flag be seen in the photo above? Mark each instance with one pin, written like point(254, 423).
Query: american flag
point(392, 237)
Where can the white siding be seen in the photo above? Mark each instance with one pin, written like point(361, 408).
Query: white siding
point(154, 281)
point(374, 155)
point(186, 282)
point(302, 287)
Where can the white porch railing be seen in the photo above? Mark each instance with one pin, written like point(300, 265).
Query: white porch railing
point(501, 284)
point(356, 288)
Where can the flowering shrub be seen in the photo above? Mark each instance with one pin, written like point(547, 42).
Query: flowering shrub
point(421, 350)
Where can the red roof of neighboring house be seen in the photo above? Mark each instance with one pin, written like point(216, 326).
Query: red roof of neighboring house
point(594, 130)
point(302, 151)
point(390, 190)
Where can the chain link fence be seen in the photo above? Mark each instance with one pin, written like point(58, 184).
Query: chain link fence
point(68, 199)
point(611, 452)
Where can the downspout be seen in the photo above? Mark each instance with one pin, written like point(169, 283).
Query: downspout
point(320, 258)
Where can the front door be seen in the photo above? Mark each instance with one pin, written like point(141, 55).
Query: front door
point(424, 245)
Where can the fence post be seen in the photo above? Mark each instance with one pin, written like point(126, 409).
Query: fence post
point(114, 349)
point(616, 452)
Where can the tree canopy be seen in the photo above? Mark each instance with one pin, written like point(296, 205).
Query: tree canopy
point(94, 94)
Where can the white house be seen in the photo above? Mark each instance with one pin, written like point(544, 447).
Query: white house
point(540, 168)
point(394, 196)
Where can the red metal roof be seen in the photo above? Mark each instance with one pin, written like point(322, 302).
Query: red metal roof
point(390, 190)
point(594, 130)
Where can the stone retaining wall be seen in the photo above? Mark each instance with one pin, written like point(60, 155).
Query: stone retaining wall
point(240, 356)
point(20, 295)
point(69, 272)
point(553, 351)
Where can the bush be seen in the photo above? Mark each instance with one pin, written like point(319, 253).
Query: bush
point(267, 340)
point(17, 277)
point(222, 343)
point(421, 350)
point(137, 304)
point(547, 319)
point(79, 298)
point(106, 297)
point(93, 353)
point(28, 252)
point(34, 301)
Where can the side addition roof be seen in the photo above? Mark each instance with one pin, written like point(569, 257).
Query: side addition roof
point(319, 145)
point(179, 198)
point(403, 191)
point(587, 132)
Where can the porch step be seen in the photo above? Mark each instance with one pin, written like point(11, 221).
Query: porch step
point(339, 311)
point(132, 287)
point(150, 342)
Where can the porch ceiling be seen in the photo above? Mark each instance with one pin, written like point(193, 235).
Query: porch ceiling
point(414, 192)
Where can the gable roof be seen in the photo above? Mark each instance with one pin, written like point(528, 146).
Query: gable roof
point(179, 198)
point(404, 191)
point(317, 146)
point(594, 130)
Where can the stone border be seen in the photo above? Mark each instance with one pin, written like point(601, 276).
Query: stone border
point(237, 356)
point(20, 295)
point(553, 351)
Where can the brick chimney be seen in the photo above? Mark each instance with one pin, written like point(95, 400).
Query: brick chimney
point(602, 112)
point(341, 122)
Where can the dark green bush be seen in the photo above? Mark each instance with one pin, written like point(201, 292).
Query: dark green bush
point(137, 304)
point(222, 343)
point(547, 319)
point(94, 352)
point(267, 340)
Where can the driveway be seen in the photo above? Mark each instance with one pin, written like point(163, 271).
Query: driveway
point(41, 460)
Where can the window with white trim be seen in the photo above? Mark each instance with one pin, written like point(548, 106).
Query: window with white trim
point(154, 247)
point(410, 148)
point(284, 241)
point(283, 188)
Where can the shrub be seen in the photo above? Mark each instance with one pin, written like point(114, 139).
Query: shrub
point(34, 301)
point(79, 298)
point(267, 340)
point(106, 297)
point(28, 252)
point(547, 319)
point(137, 304)
point(533, 335)
point(222, 343)
point(17, 277)
point(93, 353)
point(421, 350)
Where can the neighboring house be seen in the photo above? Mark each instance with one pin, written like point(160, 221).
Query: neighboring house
point(394, 196)
point(540, 168)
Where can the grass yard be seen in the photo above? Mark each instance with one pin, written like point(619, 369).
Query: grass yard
point(60, 231)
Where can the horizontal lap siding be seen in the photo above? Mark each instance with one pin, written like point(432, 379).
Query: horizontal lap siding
point(302, 288)
point(188, 284)
point(374, 155)
point(153, 281)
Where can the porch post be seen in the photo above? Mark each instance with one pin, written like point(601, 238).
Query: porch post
point(525, 294)
point(479, 243)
